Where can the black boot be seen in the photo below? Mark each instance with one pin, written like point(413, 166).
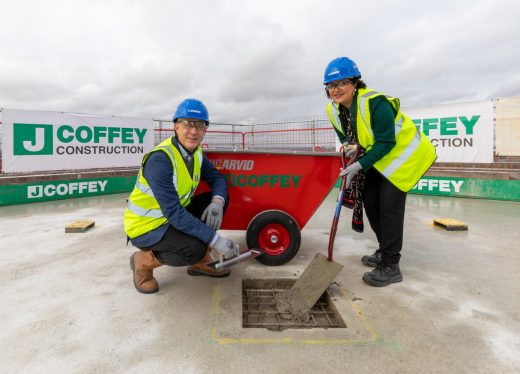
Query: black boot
point(372, 260)
point(383, 275)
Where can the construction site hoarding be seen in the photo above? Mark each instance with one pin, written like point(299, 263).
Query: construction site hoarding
point(43, 141)
point(507, 113)
point(495, 189)
point(37, 192)
point(461, 132)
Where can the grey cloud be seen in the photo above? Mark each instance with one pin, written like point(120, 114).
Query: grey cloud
point(250, 60)
point(268, 75)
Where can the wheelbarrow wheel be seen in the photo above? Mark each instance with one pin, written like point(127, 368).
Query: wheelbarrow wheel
point(277, 234)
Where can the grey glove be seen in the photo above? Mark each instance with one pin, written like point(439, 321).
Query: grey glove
point(350, 171)
point(228, 248)
point(349, 149)
point(213, 213)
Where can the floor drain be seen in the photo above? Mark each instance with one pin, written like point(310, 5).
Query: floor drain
point(259, 311)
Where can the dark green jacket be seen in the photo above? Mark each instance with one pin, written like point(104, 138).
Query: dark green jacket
point(382, 114)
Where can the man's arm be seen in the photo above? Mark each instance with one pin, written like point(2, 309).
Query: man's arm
point(213, 178)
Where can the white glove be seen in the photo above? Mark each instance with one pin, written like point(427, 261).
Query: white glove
point(228, 248)
point(213, 213)
point(349, 149)
point(350, 171)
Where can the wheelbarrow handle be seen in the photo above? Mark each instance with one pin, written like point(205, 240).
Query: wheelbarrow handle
point(337, 212)
point(351, 160)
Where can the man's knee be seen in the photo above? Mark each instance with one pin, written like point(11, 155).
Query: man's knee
point(189, 256)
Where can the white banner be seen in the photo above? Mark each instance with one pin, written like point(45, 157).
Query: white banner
point(41, 141)
point(460, 132)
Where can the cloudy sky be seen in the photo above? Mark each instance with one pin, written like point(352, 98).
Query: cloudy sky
point(250, 60)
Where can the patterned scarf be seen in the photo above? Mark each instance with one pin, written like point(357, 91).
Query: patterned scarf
point(353, 195)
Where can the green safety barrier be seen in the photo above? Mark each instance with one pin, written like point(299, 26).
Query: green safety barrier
point(35, 192)
point(494, 189)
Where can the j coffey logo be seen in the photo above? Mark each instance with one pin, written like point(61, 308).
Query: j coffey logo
point(67, 188)
point(30, 139)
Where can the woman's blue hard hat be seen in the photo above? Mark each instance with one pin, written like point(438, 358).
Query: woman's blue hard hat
point(340, 68)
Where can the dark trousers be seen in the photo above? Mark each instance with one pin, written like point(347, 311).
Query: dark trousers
point(384, 206)
point(178, 249)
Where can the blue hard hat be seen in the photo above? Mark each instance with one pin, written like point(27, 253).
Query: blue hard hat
point(191, 108)
point(340, 68)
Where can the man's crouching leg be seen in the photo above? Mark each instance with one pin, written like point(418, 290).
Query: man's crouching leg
point(202, 268)
point(142, 264)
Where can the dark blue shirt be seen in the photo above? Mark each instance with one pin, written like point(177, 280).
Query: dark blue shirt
point(158, 172)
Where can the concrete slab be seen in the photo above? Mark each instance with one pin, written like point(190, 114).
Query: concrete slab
point(68, 303)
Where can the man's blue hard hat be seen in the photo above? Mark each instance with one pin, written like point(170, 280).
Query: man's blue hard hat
point(340, 68)
point(191, 108)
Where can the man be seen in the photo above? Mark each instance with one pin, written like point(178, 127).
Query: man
point(394, 155)
point(163, 218)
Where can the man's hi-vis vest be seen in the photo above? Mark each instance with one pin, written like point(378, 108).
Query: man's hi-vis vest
point(413, 153)
point(143, 213)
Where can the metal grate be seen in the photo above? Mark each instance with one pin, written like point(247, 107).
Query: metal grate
point(259, 307)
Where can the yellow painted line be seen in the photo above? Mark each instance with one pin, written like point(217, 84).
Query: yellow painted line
point(371, 329)
point(375, 336)
point(292, 341)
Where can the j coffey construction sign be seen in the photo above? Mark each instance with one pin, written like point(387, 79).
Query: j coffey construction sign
point(40, 141)
point(460, 132)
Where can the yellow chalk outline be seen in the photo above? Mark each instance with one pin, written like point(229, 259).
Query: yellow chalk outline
point(375, 336)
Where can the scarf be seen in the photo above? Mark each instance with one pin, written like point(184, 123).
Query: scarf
point(353, 195)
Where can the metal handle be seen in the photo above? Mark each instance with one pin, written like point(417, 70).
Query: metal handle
point(337, 212)
point(234, 260)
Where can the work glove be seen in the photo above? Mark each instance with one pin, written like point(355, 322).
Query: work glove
point(350, 149)
point(228, 248)
point(213, 213)
point(350, 172)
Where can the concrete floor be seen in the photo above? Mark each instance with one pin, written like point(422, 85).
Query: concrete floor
point(69, 305)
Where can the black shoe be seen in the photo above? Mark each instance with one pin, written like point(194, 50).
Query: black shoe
point(372, 260)
point(383, 275)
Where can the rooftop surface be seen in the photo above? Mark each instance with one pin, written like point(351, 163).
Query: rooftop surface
point(69, 305)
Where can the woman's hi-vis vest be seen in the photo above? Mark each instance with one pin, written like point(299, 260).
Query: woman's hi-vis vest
point(413, 153)
point(143, 213)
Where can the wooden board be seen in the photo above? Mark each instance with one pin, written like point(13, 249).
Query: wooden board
point(308, 288)
point(79, 226)
point(450, 224)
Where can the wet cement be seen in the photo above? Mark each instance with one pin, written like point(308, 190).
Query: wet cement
point(297, 302)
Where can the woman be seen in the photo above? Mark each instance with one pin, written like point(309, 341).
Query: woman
point(394, 155)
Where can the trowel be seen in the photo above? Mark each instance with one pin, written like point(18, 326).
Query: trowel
point(320, 273)
point(246, 255)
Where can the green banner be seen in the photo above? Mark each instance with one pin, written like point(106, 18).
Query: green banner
point(11, 194)
point(496, 189)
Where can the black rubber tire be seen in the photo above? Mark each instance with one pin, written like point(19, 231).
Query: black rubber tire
point(274, 217)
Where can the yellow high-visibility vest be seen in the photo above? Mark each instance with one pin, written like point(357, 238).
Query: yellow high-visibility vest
point(413, 153)
point(143, 213)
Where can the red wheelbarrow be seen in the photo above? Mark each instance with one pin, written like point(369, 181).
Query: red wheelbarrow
point(273, 195)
